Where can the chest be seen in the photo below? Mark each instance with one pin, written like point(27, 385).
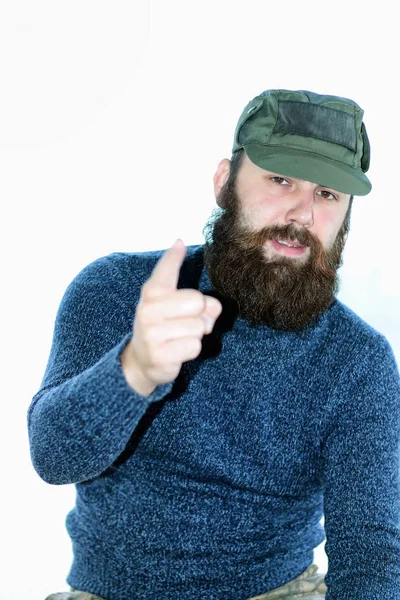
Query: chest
point(249, 416)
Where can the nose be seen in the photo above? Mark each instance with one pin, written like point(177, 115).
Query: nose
point(301, 210)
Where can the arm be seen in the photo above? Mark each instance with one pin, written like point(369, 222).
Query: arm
point(83, 416)
point(101, 376)
point(361, 453)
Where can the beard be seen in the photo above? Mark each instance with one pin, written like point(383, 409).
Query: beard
point(284, 293)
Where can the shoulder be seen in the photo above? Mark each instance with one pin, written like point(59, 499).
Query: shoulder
point(100, 301)
point(125, 270)
point(363, 374)
point(350, 354)
point(367, 350)
point(352, 330)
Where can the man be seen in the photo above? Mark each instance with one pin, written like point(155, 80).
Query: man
point(207, 441)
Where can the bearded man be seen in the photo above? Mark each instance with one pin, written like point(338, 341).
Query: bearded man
point(207, 441)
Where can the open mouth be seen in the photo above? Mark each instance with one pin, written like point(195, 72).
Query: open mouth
point(290, 244)
point(288, 248)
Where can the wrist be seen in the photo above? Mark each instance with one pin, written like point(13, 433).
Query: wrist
point(133, 374)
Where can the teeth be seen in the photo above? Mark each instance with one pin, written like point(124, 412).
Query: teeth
point(287, 244)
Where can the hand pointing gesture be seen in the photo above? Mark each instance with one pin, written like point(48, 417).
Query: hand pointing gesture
point(168, 327)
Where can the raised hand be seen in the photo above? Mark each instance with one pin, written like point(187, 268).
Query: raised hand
point(168, 327)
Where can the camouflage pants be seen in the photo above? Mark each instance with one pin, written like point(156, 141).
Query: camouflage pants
point(307, 586)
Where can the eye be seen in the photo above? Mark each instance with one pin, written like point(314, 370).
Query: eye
point(327, 195)
point(279, 180)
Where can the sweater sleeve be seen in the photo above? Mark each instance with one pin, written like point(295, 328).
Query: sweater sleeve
point(85, 412)
point(361, 455)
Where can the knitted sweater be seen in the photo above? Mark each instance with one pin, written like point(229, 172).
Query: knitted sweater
point(214, 486)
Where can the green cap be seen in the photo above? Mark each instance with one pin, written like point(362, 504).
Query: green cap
point(307, 136)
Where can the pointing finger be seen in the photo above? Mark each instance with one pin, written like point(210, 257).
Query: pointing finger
point(165, 275)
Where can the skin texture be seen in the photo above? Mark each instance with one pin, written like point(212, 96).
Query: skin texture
point(271, 199)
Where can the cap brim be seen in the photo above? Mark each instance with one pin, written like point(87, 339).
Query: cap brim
point(309, 167)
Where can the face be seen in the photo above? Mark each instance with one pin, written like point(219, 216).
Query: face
point(276, 246)
point(272, 199)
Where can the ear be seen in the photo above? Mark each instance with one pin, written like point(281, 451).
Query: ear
point(220, 177)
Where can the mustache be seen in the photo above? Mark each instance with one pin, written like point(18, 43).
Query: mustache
point(251, 243)
point(290, 232)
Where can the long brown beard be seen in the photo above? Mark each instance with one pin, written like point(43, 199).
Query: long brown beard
point(282, 292)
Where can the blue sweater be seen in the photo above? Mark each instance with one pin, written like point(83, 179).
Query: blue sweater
point(214, 487)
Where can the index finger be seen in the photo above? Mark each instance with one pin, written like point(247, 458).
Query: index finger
point(165, 275)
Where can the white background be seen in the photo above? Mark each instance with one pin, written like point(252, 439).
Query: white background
point(113, 117)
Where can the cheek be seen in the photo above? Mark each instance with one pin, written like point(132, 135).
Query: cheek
point(328, 227)
point(259, 216)
point(260, 211)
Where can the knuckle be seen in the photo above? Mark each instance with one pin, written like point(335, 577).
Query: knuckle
point(159, 358)
point(146, 290)
point(199, 298)
point(152, 336)
point(149, 337)
point(196, 300)
point(144, 313)
point(194, 347)
point(199, 327)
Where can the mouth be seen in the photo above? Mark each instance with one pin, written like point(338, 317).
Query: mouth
point(288, 247)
